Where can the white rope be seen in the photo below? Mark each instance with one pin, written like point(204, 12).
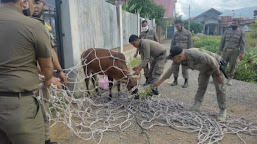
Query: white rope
point(90, 117)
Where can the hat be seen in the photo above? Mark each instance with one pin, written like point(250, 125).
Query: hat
point(174, 50)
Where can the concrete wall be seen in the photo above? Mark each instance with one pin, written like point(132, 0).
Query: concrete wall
point(94, 24)
point(87, 24)
point(130, 25)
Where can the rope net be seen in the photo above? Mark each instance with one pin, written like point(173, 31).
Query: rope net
point(90, 116)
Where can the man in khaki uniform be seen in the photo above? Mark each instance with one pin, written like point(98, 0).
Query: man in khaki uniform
point(45, 92)
point(23, 41)
point(148, 49)
point(233, 40)
point(147, 34)
point(182, 38)
point(208, 64)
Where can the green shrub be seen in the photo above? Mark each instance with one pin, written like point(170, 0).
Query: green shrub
point(210, 43)
point(251, 39)
point(247, 69)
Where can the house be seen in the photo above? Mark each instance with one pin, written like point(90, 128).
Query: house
point(245, 25)
point(210, 21)
point(169, 6)
point(225, 22)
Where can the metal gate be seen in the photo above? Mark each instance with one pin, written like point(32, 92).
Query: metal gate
point(52, 16)
point(170, 32)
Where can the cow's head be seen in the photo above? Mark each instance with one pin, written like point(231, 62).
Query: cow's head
point(131, 82)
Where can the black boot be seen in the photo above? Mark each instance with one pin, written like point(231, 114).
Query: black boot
point(185, 84)
point(147, 82)
point(49, 142)
point(175, 82)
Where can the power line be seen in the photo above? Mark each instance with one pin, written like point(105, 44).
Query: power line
point(189, 18)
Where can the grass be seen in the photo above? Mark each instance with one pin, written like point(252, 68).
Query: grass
point(145, 94)
point(247, 68)
point(135, 62)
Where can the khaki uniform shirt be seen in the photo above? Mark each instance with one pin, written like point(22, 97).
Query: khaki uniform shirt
point(50, 32)
point(183, 39)
point(22, 41)
point(150, 34)
point(149, 49)
point(233, 39)
point(199, 59)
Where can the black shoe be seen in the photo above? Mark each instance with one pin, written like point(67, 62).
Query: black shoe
point(175, 82)
point(136, 97)
point(155, 92)
point(49, 142)
point(185, 84)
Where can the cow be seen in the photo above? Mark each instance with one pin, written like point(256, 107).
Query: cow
point(106, 62)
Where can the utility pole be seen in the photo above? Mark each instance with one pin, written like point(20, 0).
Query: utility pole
point(189, 18)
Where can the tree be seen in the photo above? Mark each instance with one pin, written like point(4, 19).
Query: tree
point(147, 9)
point(194, 27)
point(178, 16)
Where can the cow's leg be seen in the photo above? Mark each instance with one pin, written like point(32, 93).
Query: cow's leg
point(93, 79)
point(87, 81)
point(118, 85)
point(110, 86)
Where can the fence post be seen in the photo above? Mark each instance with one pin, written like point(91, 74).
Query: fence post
point(121, 29)
point(138, 24)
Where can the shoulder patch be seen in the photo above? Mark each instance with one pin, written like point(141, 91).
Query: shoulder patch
point(48, 26)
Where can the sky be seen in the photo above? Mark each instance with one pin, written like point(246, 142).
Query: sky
point(182, 6)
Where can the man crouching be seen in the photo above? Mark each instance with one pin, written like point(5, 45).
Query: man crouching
point(148, 49)
point(208, 64)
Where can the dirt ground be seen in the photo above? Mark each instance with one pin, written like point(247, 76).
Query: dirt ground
point(241, 102)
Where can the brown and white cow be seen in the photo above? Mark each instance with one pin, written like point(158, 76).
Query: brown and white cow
point(106, 62)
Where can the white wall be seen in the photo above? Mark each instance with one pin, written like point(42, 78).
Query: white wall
point(93, 24)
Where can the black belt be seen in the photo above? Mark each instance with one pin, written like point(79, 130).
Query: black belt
point(14, 94)
point(162, 53)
